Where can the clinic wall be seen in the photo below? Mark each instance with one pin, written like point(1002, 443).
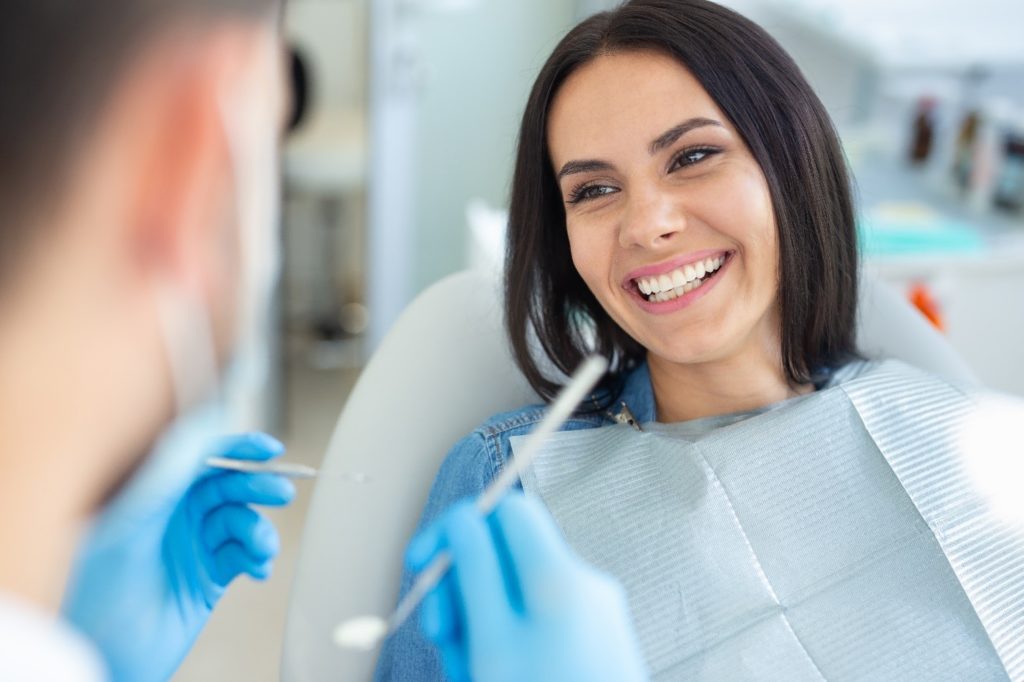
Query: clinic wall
point(474, 82)
point(331, 35)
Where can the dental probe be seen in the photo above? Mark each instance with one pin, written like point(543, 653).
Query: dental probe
point(366, 632)
point(289, 469)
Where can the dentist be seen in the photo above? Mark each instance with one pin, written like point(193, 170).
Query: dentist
point(138, 159)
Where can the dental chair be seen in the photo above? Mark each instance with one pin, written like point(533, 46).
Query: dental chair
point(442, 370)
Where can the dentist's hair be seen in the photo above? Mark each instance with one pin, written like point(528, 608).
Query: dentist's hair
point(59, 61)
point(762, 92)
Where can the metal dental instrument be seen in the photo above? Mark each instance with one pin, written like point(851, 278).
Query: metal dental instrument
point(624, 416)
point(367, 631)
point(289, 469)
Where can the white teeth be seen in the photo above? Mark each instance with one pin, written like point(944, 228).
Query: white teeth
point(682, 280)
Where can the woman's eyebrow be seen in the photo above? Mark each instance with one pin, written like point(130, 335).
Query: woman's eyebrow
point(667, 138)
point(588, 166)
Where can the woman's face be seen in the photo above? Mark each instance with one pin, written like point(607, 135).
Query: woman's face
point(669, 217)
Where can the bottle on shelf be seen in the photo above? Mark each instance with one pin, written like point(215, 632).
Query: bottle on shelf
point(1009, 192)
point(923, 135)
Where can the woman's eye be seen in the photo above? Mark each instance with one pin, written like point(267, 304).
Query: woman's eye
point(589, 192)
point(689, 157)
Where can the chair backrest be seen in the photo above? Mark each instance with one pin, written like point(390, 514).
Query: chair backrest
point(890, 327)
point(442, 370)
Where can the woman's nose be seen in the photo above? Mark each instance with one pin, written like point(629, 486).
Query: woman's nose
point(651, 220)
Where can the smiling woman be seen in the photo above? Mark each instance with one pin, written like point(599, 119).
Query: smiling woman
point(767, 497)
point(701, 95)
point(657, 202)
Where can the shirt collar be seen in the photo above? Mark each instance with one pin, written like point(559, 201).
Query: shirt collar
point(638, 394)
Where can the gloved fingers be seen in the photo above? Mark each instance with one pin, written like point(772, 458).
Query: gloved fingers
point(455, 659)
point(539, 558)
point(262, 571)
point(231, 560)
point(241, 525)
point(424, 547)
point(234, 487)
point(440, 613)
point(442, 622)
point(253, 446)
point(477, 571)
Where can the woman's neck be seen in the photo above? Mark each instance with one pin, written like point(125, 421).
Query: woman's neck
point(739, 383)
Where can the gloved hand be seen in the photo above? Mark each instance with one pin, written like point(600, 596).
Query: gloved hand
point(519, 605)
point(144, 602)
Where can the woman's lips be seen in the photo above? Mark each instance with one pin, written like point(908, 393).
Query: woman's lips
point(674, 264)
point(663, 293)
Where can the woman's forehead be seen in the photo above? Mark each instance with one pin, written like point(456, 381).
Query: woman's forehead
point(622, 101)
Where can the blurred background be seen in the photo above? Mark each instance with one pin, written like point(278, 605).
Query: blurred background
point(398, 169)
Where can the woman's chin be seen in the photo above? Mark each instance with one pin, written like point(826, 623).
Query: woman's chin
point(691, 354)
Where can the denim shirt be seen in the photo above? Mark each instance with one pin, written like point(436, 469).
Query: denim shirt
point(470, 466)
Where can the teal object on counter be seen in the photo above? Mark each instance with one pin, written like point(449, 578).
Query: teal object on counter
point(903, 230)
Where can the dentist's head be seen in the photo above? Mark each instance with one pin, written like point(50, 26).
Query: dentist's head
point(138, 149)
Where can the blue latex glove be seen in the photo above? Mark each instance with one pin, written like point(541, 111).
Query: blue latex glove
point(519, 605)
point(144, 602)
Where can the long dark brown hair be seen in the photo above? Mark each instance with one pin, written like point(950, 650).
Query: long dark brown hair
point(785, 126)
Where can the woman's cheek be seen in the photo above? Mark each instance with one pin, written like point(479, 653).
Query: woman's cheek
point(582, 253)
point(595, 251)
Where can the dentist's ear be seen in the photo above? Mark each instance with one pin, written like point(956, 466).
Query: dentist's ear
point(176, 155)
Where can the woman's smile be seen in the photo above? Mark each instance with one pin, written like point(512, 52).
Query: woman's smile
point(679, 283)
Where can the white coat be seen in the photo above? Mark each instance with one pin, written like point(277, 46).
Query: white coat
point(36, 646)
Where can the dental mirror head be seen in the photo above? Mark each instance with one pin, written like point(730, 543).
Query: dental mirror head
point(363, 633)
